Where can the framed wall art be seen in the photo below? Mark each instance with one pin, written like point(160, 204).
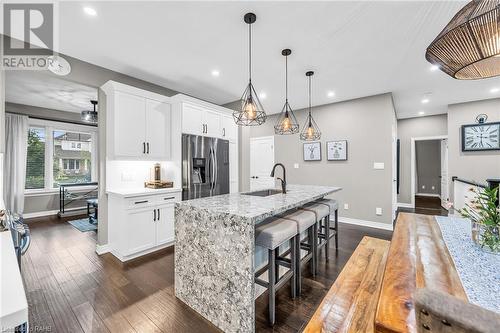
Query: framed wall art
point(336, 150)
point(312, 151)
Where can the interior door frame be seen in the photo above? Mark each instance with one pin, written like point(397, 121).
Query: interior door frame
point(253, 139)
point(413, 161)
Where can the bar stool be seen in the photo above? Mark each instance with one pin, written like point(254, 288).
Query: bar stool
point(322, 213)
point(334, 208)
point(271, 234)
point(306, 221)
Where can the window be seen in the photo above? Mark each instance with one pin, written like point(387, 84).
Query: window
point(59, 153)
point(35, 162)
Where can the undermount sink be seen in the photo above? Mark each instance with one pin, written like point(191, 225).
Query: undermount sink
point(263, 193)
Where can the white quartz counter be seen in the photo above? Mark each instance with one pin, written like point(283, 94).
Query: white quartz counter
point(13, 304)
point(137, 192)
point(258, 208)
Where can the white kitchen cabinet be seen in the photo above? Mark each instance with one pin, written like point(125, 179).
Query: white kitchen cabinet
point(192, 119)
point(212, 123)
point(138, 123)
point(229, 129)
point(141, 224)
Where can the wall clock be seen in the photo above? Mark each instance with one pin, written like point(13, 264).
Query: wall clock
point(480, 137)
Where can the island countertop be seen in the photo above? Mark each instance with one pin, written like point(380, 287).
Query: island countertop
point(259, 208)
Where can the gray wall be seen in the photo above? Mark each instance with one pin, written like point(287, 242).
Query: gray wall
point(428, 160)
point(367, 124)
point(476, 166)
point(413, 128)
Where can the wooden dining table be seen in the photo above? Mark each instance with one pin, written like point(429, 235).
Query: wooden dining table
point(418, 258)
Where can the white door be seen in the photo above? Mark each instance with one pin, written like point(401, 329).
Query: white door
point(229, 129)
point(130, 125)
point(212, 124)
point(158, 130)
point(140, 230)
point(165, 224)
point(261, 163)
point(192, 120)
point(444, 173)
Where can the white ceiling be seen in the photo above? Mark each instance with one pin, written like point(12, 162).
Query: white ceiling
point(47, 91)
point(357, 49)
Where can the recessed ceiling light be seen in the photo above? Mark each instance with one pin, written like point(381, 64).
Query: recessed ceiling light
point(215, 73)
point(89, 11)
point(425, 100)
point(331, 93)
point(421, 113)
point(494, 90)
point(262, 95)
point(434, 68)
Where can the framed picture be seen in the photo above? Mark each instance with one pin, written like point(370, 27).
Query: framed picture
point(336, 150)
point(481, 137)
point(312, 151)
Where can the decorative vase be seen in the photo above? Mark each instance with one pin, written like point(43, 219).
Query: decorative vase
point(486, 237)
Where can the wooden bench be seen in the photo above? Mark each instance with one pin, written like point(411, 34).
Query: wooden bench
point(351, 302)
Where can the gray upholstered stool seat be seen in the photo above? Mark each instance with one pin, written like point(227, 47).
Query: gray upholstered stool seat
point(319, 209)
point(271, 234)
point(306, 221)
point(334, 209)
point(274, 232)
point(322, 213)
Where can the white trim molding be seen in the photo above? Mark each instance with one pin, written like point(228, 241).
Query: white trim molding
point(404, 205)
point(434, 195)
point(40, 214)
point(101, 249)
point(365, 223)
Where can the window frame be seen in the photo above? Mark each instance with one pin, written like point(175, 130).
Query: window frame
point(51, 126)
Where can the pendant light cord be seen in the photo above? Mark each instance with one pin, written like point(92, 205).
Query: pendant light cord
point(286, 79)
point(309, 96)
point(250, 52)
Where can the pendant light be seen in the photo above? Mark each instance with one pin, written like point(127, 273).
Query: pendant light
point(468, 48)
point(90, 116)
point(310, 131)
point(287, 123)
point(251, 112)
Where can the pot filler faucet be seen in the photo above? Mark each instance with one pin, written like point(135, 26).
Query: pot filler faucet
point(283, 181)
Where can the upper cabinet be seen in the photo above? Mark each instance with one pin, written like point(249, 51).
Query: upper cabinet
point(229, 129)
point(138, 123)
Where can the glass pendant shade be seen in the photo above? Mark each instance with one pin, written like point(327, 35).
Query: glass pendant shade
point(90, 116)
point(286, 123)
point(468, 48)
point(250, 112)
point(310, 131)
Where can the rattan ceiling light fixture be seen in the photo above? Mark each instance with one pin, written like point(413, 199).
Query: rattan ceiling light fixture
point(251, 112)
point(310, 131)
point(468, 48)
point(287, 123)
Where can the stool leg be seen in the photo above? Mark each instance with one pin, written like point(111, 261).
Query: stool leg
point(297, 265)
point(315, 256)
point(276, 265)
point(336, 229)
point(327, 236)
point(293, 268)
point(272, 287)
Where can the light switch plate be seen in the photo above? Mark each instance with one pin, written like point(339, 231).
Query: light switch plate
point(346, 206)
point(296, 165)
point(378, 211)
point(378, 165)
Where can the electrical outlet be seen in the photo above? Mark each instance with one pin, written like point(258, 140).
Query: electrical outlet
point(378, 211)
point(346, 206)
point(378, 165)
point(423, 187)
point(433, 187)
point(296, 165)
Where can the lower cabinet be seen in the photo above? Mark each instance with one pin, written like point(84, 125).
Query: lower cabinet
point(141, 224)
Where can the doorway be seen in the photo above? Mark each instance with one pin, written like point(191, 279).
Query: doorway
point(261, 162)
point(429, 175)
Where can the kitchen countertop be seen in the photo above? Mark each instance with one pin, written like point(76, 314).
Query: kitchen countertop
point(136, 192)
point(13, 303)
point(258, 208)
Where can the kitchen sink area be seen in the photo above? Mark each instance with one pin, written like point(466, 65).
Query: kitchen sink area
point(263, 193)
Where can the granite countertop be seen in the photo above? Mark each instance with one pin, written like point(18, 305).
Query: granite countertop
point(258, 208)
point(135, 192)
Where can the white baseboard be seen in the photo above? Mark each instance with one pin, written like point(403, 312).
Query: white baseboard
point(434, 195)
point(364, 223)
point(40, 214)
point(404, 205)
point(101, 249)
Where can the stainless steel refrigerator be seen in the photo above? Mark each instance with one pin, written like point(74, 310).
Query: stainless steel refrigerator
point(205, 166)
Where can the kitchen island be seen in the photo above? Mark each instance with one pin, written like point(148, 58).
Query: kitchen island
point(214, 251)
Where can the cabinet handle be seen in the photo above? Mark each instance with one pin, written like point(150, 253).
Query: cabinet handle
point(224, 132)
point(139, 202)
point(154, 218)
point(158, 214)
point(144, 147)
point(168, 198)
point(147, 145)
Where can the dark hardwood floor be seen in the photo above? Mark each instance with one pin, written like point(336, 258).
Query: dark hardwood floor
point(427, 206)
point(72, 289)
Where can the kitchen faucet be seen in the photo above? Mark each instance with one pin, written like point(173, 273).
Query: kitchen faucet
point(283, 181)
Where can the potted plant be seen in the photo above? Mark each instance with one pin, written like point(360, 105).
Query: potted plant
point(485, 218)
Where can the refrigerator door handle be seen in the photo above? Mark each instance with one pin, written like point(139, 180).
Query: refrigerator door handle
point(216, 168)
